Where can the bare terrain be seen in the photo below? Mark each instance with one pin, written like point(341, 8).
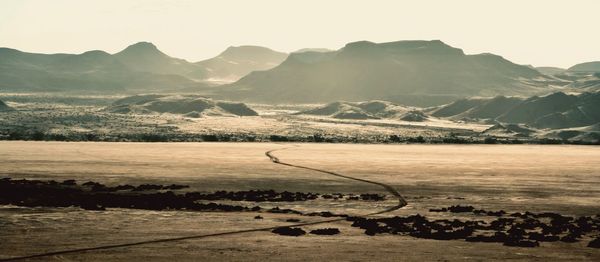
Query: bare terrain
point(98, 118)
point(514, 178)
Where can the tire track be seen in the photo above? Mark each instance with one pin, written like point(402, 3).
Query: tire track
point(401, 203)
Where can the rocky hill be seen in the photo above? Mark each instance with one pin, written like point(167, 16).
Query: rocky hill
point(187, 105)
point(554, 111)
point(367, 110)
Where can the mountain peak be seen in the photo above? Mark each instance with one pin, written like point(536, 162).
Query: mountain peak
point(143, 44)
point(95, 53)
point(141, 48)
point(249, 52)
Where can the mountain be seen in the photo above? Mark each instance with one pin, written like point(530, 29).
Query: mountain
point(587, 134)
point(494, 107)
point(458, 107)
point(535, 107)
point(145, 57)
point(548, 70)
point(586, 67)
point(367, 110)
point(409, 72)
point(585, 82)
point(554, 111)
point(236, 62)
point(187, 105)
point(138, 67)
point(509, 130)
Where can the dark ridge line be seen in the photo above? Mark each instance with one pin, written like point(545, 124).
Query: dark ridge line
point(274, 159)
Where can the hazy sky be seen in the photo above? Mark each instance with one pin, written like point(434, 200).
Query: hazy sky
point(542, 33)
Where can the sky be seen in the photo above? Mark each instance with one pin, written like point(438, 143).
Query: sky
point(539, 33)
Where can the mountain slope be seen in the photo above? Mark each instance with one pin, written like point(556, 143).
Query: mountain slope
point(367, 110)
point(188, 105)
point(410, 72)
point(557, 110)
point(92, 71)
point(236, 62)
point(548, 70)
point(145, 57)
point(586, 67)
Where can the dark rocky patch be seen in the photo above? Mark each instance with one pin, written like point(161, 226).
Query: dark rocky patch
point(594, 243)
point(95, 196)
point(289, 231)
point(519, 229)
point(278, 210)
point(325, 214)
point(325, 231)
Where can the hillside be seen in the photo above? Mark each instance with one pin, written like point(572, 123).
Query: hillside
point(187, 105)
point(554, 111)
point(408, 72)
point(548, 70)
point(586, 67)
point(145, 57)
point(92, 71)
point(367, 110)
point(236, 62)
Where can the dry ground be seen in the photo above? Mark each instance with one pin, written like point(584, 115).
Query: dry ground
point(564, 179)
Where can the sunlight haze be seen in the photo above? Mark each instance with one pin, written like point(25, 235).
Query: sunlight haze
point(556, 33)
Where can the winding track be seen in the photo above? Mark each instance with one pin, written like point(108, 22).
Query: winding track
point(401, 203)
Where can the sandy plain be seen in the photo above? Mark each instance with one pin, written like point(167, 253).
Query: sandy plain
point(515, 178)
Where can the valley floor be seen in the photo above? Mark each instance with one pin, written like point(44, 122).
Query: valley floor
point(515, 178)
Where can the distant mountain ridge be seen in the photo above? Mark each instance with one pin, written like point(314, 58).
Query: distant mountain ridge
point(236, 62)
point(554, 111)
point(140, 67)
point(145, 57)
point(402, 72)
point(92, 71)
point(586, 67)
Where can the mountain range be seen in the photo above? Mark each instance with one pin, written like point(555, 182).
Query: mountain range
point(419, 73)
point(408, 72)
point(140, 67)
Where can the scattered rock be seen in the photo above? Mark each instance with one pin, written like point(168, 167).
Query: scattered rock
point(594, 243)
point(289, 231)
point(325, 231)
